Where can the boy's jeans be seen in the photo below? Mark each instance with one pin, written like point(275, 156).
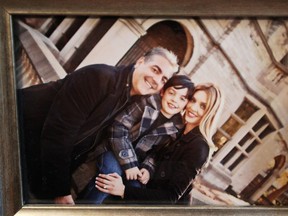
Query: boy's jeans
point(106, 163)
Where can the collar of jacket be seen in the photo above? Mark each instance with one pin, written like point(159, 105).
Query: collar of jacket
point(155, 102)
point(195, 132)
point(129, 70)
point(181, 140)
point(178, 121)
point(129, 78)
point(151, 113)
point(126, 97)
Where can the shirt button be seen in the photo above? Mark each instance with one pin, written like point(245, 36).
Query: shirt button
point(162, 174)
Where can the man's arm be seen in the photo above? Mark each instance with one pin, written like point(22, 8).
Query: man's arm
point(71, 107)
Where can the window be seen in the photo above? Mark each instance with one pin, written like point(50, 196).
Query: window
point(229, 155)
point(237, 162)
point(234, 123)
point(231, 126)
point(252, 146)
point(220, 139)
point(244, 141)
point(246, 110)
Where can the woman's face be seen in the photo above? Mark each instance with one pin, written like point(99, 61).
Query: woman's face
point(196, 107)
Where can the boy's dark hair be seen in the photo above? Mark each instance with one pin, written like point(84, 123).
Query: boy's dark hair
point(180, 82)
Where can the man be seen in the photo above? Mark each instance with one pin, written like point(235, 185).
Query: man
point(62, 120)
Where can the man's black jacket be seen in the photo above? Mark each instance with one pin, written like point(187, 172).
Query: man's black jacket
point(60, 120)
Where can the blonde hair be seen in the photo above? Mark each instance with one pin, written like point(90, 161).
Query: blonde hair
point(209, 121)
point(169, 55)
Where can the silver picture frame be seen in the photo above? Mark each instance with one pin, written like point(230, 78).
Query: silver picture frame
point(10, 165)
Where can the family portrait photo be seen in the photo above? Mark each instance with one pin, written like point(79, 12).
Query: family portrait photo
point(152, 111)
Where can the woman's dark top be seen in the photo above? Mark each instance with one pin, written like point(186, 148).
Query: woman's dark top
point(177, 166)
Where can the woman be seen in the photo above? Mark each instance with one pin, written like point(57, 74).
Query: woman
point(179, 162)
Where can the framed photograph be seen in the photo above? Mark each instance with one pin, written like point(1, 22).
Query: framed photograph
point(240, 46)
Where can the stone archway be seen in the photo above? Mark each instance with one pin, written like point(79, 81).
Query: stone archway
point(168, 34)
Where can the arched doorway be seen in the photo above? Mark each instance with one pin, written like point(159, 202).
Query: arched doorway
point(168, 34)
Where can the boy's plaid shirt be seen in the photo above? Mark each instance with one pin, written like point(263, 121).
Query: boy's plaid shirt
point(132, 123)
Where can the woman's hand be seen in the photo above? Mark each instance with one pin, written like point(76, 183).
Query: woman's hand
point(111, 184)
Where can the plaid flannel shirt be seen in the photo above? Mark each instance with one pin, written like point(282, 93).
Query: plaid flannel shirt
point(132, 123)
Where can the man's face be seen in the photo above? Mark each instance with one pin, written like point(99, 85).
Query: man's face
point(150, 76)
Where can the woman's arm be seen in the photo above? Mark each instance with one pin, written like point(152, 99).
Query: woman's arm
point(190, 159)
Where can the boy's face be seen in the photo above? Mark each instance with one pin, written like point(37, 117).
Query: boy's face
point(173, 101)
point(150, 76)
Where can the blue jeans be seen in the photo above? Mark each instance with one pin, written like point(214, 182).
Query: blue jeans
point(106, 163)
